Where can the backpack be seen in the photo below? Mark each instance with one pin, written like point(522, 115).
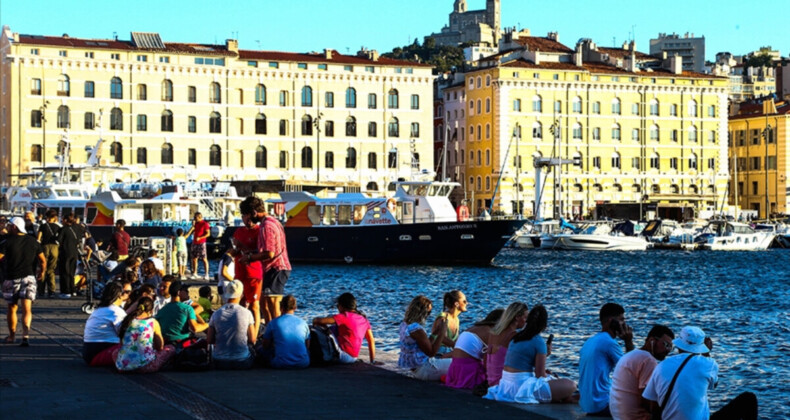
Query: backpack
point(194, 358)
point(323, 346)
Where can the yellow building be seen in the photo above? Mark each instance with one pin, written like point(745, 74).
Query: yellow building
point(760, 144)
point(191, 111)
point(645, 134)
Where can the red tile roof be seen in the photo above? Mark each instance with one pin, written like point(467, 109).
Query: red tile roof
point(600, 68)
point(321, 58)
point(751, 110)
point(536, 43)
point(111, 44)
point(548, 65)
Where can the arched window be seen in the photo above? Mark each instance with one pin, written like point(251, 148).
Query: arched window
point(392, 158)
point(215, 123)
point(393, 128)
point(215, 155)
point(616, 106)
point(260, 95)
point(116, 88)
point(655, 161)
point(693, 161)
point(372, 186)
point(372, 129)
point(260, 157)
point(142, 92)
point(64, 120)
point(64, 85)
point(615, 160)
point(372, 160)
point(636, 188)
point(537, 104)
point(693, 189)
point(692, 108)
point(674, 189)
point(537, 131)
point(351, 98)
point(577, 131)
point(372, 101)
point(329, 160)
point(260, 124)
point(167, 91)
point(351, 158)
point(577, 105)
point(616, 132)
point(116, 151)
point(488, 80)
point(116, 119)
point(415, 130)
point(488, 105)
point(654, 107)
point(167, 154)
point(351, 127)
point(307, 96)
point(142, 155)
point(283, 159)
point(479, 132)
point(693, 134)
point(307, 157)
point(392, 99)
point(654, 133)
point(35, 153)
point(307, 125)
point(329, 128)
point(214, 93)
point(479, 107)
point(167, 121)
point(283, 127)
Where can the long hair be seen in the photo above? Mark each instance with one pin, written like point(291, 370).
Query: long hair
point(418, 310)
point(148, 268)
point(513, 310)
point(145, 304)
point(491, 319)
point(111, 293)
point(349, 303)
point(450, 299)
point(537, 319)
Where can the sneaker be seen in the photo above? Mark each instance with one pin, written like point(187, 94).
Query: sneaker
point(50, 295)
point(65, 296)
point(24, 343)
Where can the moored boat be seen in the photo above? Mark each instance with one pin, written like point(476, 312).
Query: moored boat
point(722, 235)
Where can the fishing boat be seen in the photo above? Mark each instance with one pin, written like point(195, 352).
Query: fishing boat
point(723, 235)
point(417, 225)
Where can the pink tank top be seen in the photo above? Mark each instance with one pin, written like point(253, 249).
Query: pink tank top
point(494, 365)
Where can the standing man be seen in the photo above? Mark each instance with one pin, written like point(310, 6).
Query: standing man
point(120, 240)
point(48, 237)
point(70, 239)
point(598, 357)
point(20, 253)
point(200, 230)
point(31, 227)
point(272, 253)
point(632, 373)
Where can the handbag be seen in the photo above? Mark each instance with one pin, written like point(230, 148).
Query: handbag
point(657, 414)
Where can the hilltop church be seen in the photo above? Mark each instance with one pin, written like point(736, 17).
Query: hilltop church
point(476, 26)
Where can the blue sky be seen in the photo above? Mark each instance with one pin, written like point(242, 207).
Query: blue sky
point(347, 25)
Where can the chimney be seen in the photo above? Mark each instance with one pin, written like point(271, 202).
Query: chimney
point(554, 36)
point(327, 53)
point(232, 45)
point(676, 64)
point(578, 56)
point(373, 55)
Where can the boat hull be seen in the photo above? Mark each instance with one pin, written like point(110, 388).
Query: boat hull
point(582, 242)
point(737, 242)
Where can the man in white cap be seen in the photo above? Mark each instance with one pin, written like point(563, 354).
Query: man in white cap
point(20, 252)
point(231, 330)
point(698, 373)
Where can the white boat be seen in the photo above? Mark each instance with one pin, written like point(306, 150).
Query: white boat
point(530, 236)
point(722, 235)
point(595, 237)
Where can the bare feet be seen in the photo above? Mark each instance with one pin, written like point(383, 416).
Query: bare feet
point(10, 339)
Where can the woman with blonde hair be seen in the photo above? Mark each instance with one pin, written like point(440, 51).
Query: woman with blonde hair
point(467, 369)
point(514, 318)
point(417, 351)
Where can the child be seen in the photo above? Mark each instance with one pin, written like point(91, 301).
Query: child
point(181, 252)
point(205, 302)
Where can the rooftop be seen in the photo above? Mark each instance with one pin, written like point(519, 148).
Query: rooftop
point(537, 43)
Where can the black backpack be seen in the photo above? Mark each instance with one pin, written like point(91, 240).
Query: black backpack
point(323, 346)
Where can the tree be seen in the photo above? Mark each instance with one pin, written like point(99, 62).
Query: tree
point(442, 57)
point(759, 60)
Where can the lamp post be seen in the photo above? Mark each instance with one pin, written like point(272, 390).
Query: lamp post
point(43, 110)
point(517, 135)
point(766, 133)
point(317, 125)
point(556, 131)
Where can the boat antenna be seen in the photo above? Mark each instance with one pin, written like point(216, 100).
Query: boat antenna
point(502, 170)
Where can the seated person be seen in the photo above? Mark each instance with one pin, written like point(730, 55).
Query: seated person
point(466, 370)
point(525, 378)
point(145, 290)
point(163, 293)
point(454, 304)
point(149, 274)
point(231, 330)
point(352, 327)
point(205, 302)
point(142, 347)
point(417, 351)
point(287, 338)
point(514, 319)
point(178, 320)
point(101, 328)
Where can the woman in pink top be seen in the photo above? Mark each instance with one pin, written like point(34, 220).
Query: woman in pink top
point(352, 327)
point(514, 318)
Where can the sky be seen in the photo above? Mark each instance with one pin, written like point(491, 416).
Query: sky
point(348, 25)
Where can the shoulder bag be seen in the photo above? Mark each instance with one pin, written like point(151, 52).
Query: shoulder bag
point(660, 412)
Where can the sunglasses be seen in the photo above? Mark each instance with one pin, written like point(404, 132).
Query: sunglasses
point(126, 292)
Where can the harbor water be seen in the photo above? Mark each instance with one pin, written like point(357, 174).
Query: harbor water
point(740, 299)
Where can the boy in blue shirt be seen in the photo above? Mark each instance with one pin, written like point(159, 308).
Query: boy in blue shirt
point(287, 338)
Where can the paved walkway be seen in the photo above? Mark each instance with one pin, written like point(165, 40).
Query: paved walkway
point(50, 380)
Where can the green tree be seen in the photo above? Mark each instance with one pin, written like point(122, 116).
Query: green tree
point(442, 57)
point(760, 60)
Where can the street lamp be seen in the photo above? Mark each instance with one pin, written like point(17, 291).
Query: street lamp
point(766, 133)
point(317, 125)
point(556, 131)
point(517, 135)
point(43, 110)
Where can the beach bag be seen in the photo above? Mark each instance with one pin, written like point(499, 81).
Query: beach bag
point(323, 346)
point(194, 358)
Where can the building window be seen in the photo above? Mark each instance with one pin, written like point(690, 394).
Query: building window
point(577, 131)
point(351, 158)
point(167, 91)
point(142, 122)
point(64, 85)
point(142, 155)
point(302, 66)
point(329, 128)
point(392, 99)
point(712, 163)
point(673, 110)
point(712, 136)
point(616, 132)
point(116, 151)
point(371, 101)
point(329, 99)
point(283, 127)
point(537, 104)
point(307, 96)
point(116, 119)
point(322, 66)
point(392, 159)
point(654, 107)
point(693, 161)
point(34, 51)
point(635, 164)
point(142, 58)
point(693, 134)
point(214, 93)
point(654, 133)
point(770, 163)
point(351, 98)
point(616, 106)
point(164, 59)
point(35, 118)
point(488, 105)
point(116, 88)
point(673, 135)
point(393, 128)
point(655, 162)
point(192, 157)
point(274, 65)
point(35, 87)
point(616, 161)
point(215, 123)
point(596, 134)
point(192, 124)
point(35, 153)
point(283, 98)
point(115, 56)
point(63, 53)
point(692, 108)
point(415, 130)
point(596, 162)
point(64, 120)
point(215, 156)
point(351, 127)
point(260, 95)
point(307, 157)
point(329, 160)
point(372, 129)
point(167, 154)
point(635, 134)
point(596, 107)
point(517, 105)
point(673, 163)
point(307, 126)
point(90, 121)
point(712, 111)
point(89, 89)
point(558, 106)
point(372, 160)
point(260, 157)
point(537, 131)
point(167, 121)
point(142, 92)
point(635, 109)
point(192, 94)
point(260, 124)
point(415, 101)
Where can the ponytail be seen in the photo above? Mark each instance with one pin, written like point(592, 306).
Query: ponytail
point(145, 304)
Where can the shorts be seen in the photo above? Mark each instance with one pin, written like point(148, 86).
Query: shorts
point(182, 258)
point(24, 288)
point(274, 282)
point(198, 251)
point(252, 290)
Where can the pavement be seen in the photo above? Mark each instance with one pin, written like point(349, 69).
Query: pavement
point(49, 379)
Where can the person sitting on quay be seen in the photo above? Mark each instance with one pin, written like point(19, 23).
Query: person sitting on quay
point(163, 296)
point(145, 290)
point(19, 254)
point(632, 373)
point(178, 320)
point(204, 300)
point(454, 304)
point(48, 237)
point(101, 337)
point(286, 341)
point(466, 370)
point(150, 275)
point(598, 357)
point(142, 347)
point(352, 327)
point(231, 330)
point(688, 399)
point(417, 351)
point(514, 318)
point(525, 378)
point(159, 265)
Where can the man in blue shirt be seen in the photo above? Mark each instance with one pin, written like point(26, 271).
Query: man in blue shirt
point(598, 357)
point(289, 338)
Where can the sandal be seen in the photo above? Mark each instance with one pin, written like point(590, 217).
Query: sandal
point(9, 340)
point(25, 342)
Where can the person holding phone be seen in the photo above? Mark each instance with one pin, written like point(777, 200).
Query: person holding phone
point(598, 357)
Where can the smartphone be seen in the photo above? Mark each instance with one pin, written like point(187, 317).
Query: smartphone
point(551, 338)
point(615, 327)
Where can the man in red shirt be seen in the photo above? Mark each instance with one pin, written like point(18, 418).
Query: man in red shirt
point(120, 240)
point(245, 241)
point(201, 231)
point(272, 252)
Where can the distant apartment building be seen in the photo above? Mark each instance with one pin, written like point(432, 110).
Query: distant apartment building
point(689, 48)
point(760, 148)
point(783, 79)
point(473, 26)
point(747, 82)
point(214, 112)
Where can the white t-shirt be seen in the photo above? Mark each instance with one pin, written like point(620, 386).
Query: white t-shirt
point(630, 377)
point(231, 323)
point(689, 399)
point(103, 325)
point(159, 303)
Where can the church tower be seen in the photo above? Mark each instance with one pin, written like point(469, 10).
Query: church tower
point(459, 6)
point(493, 14)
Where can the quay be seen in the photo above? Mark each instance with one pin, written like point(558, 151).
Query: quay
point(49, 379)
